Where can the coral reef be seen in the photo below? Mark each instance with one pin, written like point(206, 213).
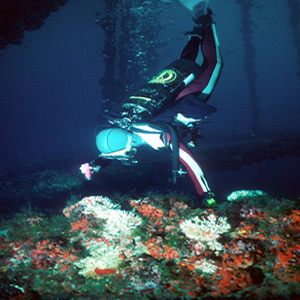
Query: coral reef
point(118, 225)
point(238, 195)
point(156, 248)
point(206, 230)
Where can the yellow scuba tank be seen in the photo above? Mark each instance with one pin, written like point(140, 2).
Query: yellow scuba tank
point(160, 91)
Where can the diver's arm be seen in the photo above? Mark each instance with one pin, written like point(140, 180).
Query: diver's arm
point(88, 169)
point(100, 162)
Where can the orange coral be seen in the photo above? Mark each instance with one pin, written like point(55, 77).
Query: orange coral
point(68, 210)
point(49, 253)
point(187, 265)
point(293, 221)
point(164, 251)
point(80, 225)
point(227, 280)
point(32, 221)
point(286, 257)
point(102, 272)
point(148, 210)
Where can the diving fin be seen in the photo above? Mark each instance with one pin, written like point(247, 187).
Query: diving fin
point(191, 4)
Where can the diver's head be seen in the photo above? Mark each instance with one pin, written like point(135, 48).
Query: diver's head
point(114, 143)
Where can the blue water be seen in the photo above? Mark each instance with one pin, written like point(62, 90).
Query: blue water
point(50, 92)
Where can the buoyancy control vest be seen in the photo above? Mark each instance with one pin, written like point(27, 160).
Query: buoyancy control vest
point(160, 91)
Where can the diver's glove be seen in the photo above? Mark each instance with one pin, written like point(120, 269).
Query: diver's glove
point(88, 169)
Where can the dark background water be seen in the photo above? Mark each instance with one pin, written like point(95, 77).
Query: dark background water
point(50, 92)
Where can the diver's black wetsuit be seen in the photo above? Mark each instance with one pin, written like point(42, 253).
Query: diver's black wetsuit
point(191, 101)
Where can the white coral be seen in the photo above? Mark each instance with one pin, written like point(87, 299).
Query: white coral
point(238, 195)
point(207, 266)
point(119, 223)
point(118, 228)
point(101, 256)
point(206, 229)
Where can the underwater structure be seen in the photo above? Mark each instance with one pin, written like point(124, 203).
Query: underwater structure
point(27, 15)
point(249, 62)
point(294, 10)
point(47, 183)
point(131, 46)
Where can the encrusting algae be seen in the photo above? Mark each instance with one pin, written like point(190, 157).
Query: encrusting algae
point(160, 248)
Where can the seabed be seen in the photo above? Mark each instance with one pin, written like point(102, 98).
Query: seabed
point(155, 247)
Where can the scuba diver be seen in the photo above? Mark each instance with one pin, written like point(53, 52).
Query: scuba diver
point(169, 108)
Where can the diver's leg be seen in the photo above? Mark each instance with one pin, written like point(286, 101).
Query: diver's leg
point(194, 170)
point(212, 60)
point(190, 163)
point(191, 50)
point(206, 197)
point(201, 17)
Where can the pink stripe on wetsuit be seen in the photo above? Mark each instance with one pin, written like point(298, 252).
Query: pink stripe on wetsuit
point(212, 65)
point(212, 62)
point(193, 168)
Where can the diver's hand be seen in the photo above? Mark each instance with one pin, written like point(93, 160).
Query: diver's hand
point(87, 170)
